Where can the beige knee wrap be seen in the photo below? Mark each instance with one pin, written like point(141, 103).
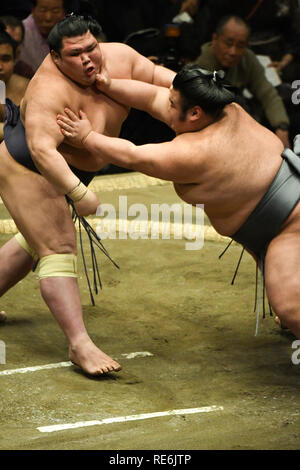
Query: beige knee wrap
point(58, 265)
point(21, 240)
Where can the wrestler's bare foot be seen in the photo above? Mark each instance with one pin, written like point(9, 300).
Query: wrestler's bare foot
point(91, 359)
point(3, 316)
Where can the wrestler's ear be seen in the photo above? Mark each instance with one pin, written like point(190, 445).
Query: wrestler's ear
point(195, 113)
point(55, 56)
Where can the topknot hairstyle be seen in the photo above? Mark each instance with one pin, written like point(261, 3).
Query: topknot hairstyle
point(199, 86)
point(71, 26)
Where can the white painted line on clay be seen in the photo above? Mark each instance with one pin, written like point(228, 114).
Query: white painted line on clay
point(123, 419)
point(58, 365)
point(133, 355)
point(24, 370)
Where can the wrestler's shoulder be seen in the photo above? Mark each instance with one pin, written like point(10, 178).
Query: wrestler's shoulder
point(114, 50)
point(48, 70)
point(115, 46)
point(47, 65)
point(196, 144)
point(44, 91)
point(48, 77)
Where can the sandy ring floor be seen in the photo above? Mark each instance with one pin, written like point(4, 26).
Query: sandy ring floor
point(176, 304)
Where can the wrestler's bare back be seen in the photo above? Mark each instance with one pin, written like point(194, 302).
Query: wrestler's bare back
point(238, 159)
point(105, 114)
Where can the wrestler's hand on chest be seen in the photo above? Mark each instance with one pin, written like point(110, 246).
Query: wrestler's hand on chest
point(106, 115)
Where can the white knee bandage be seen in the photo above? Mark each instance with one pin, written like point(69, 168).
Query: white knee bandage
point(58, 265)
point(21, 240)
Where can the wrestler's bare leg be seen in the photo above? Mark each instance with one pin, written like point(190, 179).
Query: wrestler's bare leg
point(276, 318)
point(45, 221)
point(15, 264)
point(282, 273)
point(67, 311)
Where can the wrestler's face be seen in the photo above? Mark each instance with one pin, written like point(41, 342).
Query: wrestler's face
point(178, 119)
point(7, 62)
point(230, 45)
point(46, 14)
point(80, 58)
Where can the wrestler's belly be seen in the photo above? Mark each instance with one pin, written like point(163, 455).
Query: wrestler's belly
point(225, 215)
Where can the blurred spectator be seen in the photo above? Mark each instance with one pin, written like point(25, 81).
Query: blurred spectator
point(275, 32)
point(189, 6)
point(192, 18)
point(15, 28)
point(228, 51)
point(15, 84)
point(274, 29)
point(45, 14)
point(22, 8)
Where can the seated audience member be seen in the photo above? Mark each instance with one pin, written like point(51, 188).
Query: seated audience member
point(274, 30)
point(15, 28)
point(15, 84)
point(45, 14)
point(228, 51)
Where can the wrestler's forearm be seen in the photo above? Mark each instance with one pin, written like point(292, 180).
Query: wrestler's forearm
point(163, 76)
point(152, 159)
point(140, 95)
point(55, 169)
point(131, 92)
point(112, 150)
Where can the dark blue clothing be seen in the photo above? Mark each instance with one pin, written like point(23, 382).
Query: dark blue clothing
point(266, 220)
point(15, 140)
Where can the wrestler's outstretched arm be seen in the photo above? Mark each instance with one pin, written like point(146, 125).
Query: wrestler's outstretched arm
point(142, 68)
point(146, 97)
point(172, 161)
point(147, 90)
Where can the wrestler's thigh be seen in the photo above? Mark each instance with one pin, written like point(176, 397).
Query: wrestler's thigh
point(282, 274)
point(40, 213)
